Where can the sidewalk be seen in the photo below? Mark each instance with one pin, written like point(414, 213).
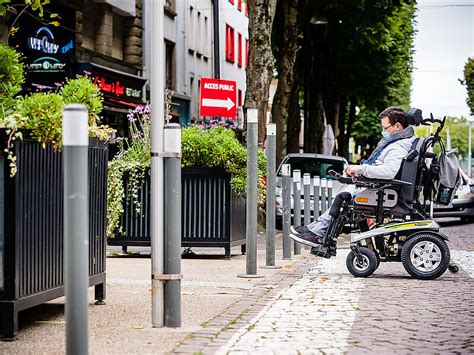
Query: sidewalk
point(210, 291)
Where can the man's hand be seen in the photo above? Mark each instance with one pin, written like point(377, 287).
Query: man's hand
point(350, 171)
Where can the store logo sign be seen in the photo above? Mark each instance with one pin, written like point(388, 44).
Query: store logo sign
point(116, 87)
point(46, 64)
point(43, 41)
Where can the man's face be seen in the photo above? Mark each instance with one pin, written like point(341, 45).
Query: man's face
point(389, 128)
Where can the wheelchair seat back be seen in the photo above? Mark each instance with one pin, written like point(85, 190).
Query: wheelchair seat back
point(409, 171)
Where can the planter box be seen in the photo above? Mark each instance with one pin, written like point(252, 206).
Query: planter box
point(212, 215)
point(31, 228)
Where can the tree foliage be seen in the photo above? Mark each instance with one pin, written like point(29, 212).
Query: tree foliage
point(469, 82)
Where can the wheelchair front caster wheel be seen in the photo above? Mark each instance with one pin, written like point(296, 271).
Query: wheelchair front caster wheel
point(453, 269)
point(363, 267)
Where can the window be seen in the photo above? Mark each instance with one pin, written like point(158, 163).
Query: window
point(239, 50)
point(229, 44)
point(239, 98)
point(246, 53)
point(239, 5)
point(192, 29)
point(117, 39)
point(169, 68)
point(232, 2)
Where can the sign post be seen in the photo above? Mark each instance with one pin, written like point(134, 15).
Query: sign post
point(218, 98)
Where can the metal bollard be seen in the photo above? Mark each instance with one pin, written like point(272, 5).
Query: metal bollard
point(324, 195)
point(329, 183)
point(252, 175)
point(307, 200)
point(286, 217)
point(172, 233)
point(316, 197)
point(270, 207)
point(76, 227)
point(297, 206)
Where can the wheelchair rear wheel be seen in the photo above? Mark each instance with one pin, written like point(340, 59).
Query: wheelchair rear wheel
point(364, 267)
point(425, 256)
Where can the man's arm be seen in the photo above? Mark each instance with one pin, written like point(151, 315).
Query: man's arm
point(387, 170)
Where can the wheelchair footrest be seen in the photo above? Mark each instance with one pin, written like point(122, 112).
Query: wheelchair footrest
point(325, 251)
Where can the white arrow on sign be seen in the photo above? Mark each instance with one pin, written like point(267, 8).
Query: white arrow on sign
point(218, 103)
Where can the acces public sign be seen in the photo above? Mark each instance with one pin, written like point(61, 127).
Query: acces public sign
point(218, 98)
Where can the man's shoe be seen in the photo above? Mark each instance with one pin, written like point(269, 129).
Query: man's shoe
point(297, 230)
point(307, 238)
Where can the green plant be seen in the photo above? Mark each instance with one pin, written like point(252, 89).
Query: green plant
point(11, 79)
point(83, 90)
point(43, 112)
point(132, 159)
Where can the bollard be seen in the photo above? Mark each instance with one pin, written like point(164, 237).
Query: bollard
point(307, 201)
point(76, 227)
point(324, 195)
point(316, 197)
point(297, 206)
point(286, 217)
point(172, 232)
point(252, 174)
point(270, 207)
point(329, 183)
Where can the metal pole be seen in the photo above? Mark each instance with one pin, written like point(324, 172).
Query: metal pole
point(307, 200)
point(329, 183)
point(469, 154)
point(271, 187)
point(157, 174)
point(286, 213)
point(172, 268)
point(323, 195)
point(217, 61)
point(252, 175)
point(76, 226)
point(317, 184)
point(297, 206)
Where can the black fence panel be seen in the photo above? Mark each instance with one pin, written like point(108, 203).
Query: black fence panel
point(31, 228)
point(212, 214)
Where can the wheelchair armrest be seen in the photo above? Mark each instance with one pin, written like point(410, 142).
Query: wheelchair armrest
point(381, 182)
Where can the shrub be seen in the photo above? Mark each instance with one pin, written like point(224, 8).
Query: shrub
point(11, 79)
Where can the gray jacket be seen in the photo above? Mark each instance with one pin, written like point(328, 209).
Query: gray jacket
point(388, 163)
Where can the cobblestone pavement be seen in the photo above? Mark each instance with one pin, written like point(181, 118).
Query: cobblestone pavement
point(329, 311)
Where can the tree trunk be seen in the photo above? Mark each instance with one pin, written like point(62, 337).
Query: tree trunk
point(260, 70)
point(287, 76)
point(294, 120)
point(342, 137)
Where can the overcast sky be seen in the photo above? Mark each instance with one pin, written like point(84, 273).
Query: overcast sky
point(444, 41)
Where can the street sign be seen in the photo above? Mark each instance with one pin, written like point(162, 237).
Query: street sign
point(218, 98)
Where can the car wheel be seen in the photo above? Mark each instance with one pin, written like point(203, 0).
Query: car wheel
point(425, 256)
point(364, 267)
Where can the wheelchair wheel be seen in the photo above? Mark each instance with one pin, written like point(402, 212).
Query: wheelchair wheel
point(425, 256)
point(363, 268)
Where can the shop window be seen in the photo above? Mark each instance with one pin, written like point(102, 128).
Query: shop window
point(170, 64)
point(239, 50)
point(239, 5)
point(229, 44)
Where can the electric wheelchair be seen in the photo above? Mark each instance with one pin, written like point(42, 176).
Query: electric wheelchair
point(402, 230)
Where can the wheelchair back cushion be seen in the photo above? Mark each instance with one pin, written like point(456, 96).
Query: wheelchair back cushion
point(409, 170)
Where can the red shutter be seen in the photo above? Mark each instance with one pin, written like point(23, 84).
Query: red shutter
point(229, 44)
point(239, 50)
point(239, 5)
point(246, 53)
point(247, 9)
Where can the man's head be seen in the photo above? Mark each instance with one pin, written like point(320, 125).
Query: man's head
point(393, 119)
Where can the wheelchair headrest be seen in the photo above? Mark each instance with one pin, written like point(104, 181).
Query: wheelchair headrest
point(414, 116)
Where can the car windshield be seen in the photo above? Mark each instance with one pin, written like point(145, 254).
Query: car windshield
point(314, 166)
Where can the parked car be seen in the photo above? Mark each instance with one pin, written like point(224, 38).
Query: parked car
point(463, 202)
point(315, 165)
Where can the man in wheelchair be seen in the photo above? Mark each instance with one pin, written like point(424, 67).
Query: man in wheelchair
point(388, 187)
point(384, 163)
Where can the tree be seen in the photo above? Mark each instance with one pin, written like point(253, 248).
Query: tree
point(260, 70)
point(286, 47)
point(469, 82)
